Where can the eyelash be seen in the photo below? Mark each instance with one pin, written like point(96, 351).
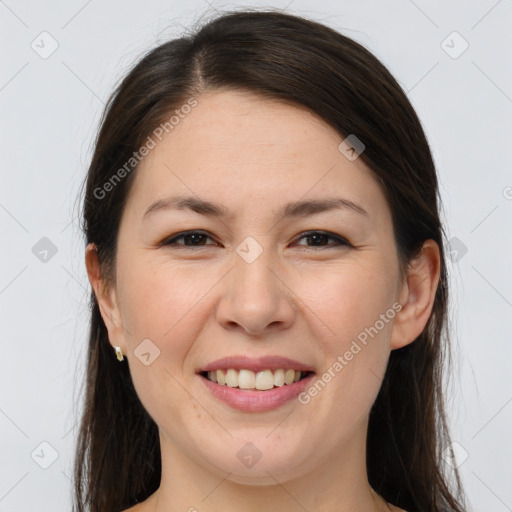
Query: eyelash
point(339, 240)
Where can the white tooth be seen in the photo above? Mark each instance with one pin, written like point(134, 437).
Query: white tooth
point(221, 378)
point(279, 378)
point(246, 379)
point(264, 380)
point(289, 376)
point(232, 378)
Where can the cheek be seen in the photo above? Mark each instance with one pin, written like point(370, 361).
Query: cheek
point(153, 298)
point(164, 303)
point(347, 302)
point(356, 313)
point(162, 312)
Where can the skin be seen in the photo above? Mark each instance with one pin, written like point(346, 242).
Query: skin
point(296, 299)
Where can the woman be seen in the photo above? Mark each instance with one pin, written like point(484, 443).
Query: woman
point(267, 262)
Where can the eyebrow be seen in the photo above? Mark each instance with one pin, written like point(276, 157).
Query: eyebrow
point(293, 209)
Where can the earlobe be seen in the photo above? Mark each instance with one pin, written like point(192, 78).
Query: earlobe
point(417, 296)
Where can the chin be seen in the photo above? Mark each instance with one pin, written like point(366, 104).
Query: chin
point(259, 462)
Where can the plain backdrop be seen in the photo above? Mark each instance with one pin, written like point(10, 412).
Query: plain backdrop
point(60, 62)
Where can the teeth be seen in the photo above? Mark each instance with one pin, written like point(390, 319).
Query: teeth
point(265, 380)
point(247, 379)
point(289, 376)
point(279, 378)
point(232, 378)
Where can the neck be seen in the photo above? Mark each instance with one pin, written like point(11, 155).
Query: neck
point(339, 484)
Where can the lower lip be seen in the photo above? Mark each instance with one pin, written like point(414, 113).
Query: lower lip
point(255, 400)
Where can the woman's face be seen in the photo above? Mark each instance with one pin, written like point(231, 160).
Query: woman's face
point(254, 286)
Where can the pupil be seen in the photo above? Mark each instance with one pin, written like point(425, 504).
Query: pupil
point(195, 237)
point(316, 237)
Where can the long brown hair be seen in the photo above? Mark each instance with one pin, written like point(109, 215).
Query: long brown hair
point(302, 62)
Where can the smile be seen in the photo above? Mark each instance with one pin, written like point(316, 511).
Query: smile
point(248, 379)
point(251, 399)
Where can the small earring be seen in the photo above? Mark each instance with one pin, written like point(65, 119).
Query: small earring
point(119, 353)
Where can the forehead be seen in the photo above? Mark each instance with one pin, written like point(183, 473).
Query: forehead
point(238, 148)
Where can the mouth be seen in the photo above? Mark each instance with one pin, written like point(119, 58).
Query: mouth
point(263, 380)
point(252, 391)
point(255, 384)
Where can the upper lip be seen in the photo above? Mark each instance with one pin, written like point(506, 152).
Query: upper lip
point(256, 364)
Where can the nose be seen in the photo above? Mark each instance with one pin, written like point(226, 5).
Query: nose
point(255, 297)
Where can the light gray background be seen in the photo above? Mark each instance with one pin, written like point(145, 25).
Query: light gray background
point(50, 108)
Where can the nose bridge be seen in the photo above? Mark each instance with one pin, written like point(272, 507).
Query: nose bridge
point(252, 275)
point(255, 297)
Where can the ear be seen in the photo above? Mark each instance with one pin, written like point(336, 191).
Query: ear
point(417, 296)
point(106, 297)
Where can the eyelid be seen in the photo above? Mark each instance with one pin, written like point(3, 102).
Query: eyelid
point(181, 234)
point(340, 241)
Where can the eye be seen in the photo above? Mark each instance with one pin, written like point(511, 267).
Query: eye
point(318, 236)
point(194, 236)
point(196, 239)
